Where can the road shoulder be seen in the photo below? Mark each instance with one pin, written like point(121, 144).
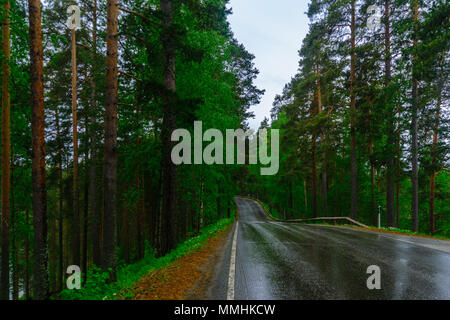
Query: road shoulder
point(187, 278)
point(428, 242)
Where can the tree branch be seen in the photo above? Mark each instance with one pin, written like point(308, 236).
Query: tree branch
point(140, 15)
point(129, 75)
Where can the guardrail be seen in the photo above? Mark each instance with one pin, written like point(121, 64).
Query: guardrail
point(320, 219)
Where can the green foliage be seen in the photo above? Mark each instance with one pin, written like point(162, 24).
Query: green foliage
point(98, 286)
point(313, 139)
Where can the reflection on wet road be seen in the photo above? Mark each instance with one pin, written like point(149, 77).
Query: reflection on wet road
point(295, 261)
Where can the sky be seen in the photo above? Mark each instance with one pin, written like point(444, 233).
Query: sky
point(272, 30)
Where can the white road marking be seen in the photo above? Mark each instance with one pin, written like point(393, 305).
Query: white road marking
point(442, 246)
point(232, 274)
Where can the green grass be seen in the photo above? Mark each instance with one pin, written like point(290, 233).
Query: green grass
point(396, 230)
point(98, 288)
point(274, 213)
point(437, 236)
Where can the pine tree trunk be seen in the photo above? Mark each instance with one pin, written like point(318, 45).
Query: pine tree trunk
point(75, 203)
point(322, 139)
point(390, 170)
point(372, 188)
point(314, 174)
point(60, 204)
point(291, 200)
point(353, 163)
point(27, 258)
point(95, 225)
point(84, 250)
point(52, 251)
point(431, 218)
point(110, 174)
point(125, 234)
point(40, 284)
point(6, 152)
point(306, 196)
point(14, 245)
point(397, 187)
point(139, 202)
point(169, 230)
point(140, 246)
point(414, 129)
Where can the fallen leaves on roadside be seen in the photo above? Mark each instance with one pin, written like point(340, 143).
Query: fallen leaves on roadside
point(173, 281)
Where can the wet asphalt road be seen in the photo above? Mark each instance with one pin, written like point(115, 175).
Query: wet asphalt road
point(287, 261)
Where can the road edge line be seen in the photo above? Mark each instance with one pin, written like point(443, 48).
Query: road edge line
point(232, 273)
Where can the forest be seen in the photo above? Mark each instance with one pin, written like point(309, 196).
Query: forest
point(364, 123)
point(90, 98)
point(86, 170)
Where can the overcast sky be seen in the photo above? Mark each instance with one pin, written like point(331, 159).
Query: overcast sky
point(273, 31)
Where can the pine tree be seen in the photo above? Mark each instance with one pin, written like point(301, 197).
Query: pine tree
point(6, 149)
point(40, 274)
point(110, 169)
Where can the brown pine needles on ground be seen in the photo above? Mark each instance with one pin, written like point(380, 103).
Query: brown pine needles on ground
point(179, 279)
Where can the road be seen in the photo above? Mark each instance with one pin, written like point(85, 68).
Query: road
point(287, 261)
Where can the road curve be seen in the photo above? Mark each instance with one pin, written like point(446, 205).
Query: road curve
point(286, 261)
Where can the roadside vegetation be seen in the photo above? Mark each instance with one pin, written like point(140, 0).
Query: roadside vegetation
point(98, 286)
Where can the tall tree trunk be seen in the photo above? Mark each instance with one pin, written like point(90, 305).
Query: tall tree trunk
point(373, 211)
point(414, 129)
point(95, 224)
point(139, 203)
point(84, 251)
point(75, 204)
point(60, 204)
point(397, 203)
point(313, 181)
point(218, 198)
point(157, 215)
point(353, 163)
point(52, 252)
point(398, 171)
point(322, 139)
point(306, 196)
point(139, 221)
point(125, 234)
point(431, 218)
point(110, 174)
point(390, 169)
point(291, 200)
point(14, 244)
point(40, 278)
point(27, 258)
point(6, 152)
point(169, 230)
